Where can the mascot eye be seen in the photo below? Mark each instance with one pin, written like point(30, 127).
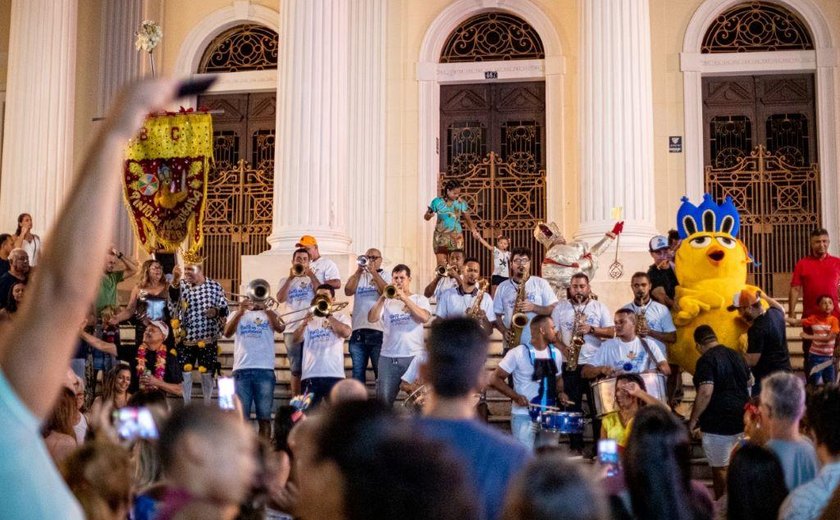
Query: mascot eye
point(699, 242)
point(726, 242)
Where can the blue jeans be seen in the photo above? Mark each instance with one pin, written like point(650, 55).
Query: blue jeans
point(319, 387)
point(825, 376)
point(391, 371)
point(365, 344)
point(255, 385)
point(523, 429)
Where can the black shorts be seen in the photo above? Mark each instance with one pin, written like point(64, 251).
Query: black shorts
point(496, 279)
point(193, 357)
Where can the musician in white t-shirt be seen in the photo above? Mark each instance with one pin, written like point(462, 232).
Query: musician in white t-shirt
point(322, 363)
point(296, 292)
point(458, 301)
point(452, 278)
point(402, 317)
point(365, 286)
point(625, 353)
point(325, 269)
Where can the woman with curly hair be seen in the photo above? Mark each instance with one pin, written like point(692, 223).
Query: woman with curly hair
point(115, 387)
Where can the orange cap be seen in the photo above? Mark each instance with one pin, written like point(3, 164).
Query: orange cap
point(746, 297)
point(307, 241)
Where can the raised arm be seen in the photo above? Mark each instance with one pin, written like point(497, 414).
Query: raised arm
point(34, 358)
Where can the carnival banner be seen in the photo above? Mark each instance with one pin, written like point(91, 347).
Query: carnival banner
point(165, 180)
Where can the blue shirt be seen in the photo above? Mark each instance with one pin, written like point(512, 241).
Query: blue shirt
point(798, 458)
point(808, 500)
point(30, 484)
point(491, 459)
point(448, 214)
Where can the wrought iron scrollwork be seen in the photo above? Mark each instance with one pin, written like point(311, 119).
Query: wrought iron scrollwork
point(756, 27)
point(493, 36)
point(241, 48)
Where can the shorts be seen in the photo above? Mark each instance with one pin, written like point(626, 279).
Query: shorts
point(294, 351)
point(496, 279)
point(194, 357)
point(444, 242)
point(718, 447)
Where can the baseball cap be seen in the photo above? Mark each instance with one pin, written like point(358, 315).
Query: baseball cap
point(164, 329)
point(658, 242)
point(307, 241)
point(745, 298)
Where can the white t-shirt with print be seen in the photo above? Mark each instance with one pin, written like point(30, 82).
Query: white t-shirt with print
point(630, 357)
point(659, 319)
point(453, 303)
point(298, 298)
point(323, 349)
point(443, 285)
point(402, 336)
point(596, 314)
point(412, 373)
point(253, 344)
point(365, 297)
point(537, 291)
point(517, 362)
point(501, 263)
point(325, 269)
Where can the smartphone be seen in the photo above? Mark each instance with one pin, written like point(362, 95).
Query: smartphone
point(608, 455)
point(226, 391)
point(135, 423)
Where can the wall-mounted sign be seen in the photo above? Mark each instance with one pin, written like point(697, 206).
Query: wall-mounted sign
point(491, 74)
point(675, 144)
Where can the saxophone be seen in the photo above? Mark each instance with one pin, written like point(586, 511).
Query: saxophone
point(475, 311)
point(577, 338)
point(519, 319)
point(641, 320)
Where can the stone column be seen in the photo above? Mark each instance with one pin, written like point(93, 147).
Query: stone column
point(366, 135)
point(121, 63)
point(617, 121)
point(40, 99)
point(311, 168)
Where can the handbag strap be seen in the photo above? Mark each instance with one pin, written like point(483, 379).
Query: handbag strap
point(649, 353)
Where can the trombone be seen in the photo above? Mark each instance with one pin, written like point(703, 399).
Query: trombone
point(321, 308)
point(258, 291)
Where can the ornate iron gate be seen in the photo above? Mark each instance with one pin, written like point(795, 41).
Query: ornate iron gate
point(495, 146)
point(779, 205)
point(241, 184)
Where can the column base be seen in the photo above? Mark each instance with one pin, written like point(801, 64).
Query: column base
point(274, 265)
point(635, 237)
point(330, 241)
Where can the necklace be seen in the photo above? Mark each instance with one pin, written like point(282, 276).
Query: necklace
point(160, 361)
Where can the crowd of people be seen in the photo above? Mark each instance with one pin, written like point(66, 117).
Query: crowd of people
point(91, 428)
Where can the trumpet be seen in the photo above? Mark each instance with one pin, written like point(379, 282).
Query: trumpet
point(257, 291)
point(322, 307)
point(362, 260)
point(441, 270)
point(390, 291)
point(298, 269)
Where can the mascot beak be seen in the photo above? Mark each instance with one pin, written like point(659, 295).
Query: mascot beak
point(715, 254)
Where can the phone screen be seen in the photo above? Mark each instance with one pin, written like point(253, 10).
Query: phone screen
point(226, 391)
point(135, 423)
point(608, 455)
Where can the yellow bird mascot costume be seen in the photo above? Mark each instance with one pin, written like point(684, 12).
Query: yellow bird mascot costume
point(711, 266)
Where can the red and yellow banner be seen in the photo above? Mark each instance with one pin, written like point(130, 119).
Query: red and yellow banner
point(165, 180)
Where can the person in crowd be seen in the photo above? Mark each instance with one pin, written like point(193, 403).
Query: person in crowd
point(663, 278)
point(782, 406)
point(297, 291)
point(755, 487)
point(721, 380)
point(348, 390)
point(821, 330)
point(539, 297)
point(147, 474)
point(99, 475)
point(7, 243)
point(253, 327)
point(26, 240)
point(323, 347)
point(552, 487)
point(451, 278)
point(581, 316)
point(808, 501)
point(203, 307)
point(630, 396)
point(365, 285)
point(15, 300)
point(501, 260)
point(57, 430)
point(208, 457)
point(18, 273)
point(454, 373)
point(360, 462)
point(657, 469)
point(282, 488)
point(80, 428)
point(537, 376)
point(459, 300)
point(767, 349)
point(325, 269)
point(402, 318)
point(156, 366)
point(111, 278)
point(625, 353)
point(449, 208)
point(816, 274)
point(149, 301)
point(115, 388)
point(33, 359)
point(754, 433)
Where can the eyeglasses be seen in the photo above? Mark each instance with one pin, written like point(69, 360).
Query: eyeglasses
point(521, 261)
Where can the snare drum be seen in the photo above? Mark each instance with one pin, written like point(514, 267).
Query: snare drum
point(566, 423)
point(604, 391)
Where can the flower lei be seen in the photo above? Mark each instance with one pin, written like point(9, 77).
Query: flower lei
point(160, 362)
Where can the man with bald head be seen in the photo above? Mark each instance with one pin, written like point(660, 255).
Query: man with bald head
point(18, 273)
point(365, 286)
point(348, 390)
